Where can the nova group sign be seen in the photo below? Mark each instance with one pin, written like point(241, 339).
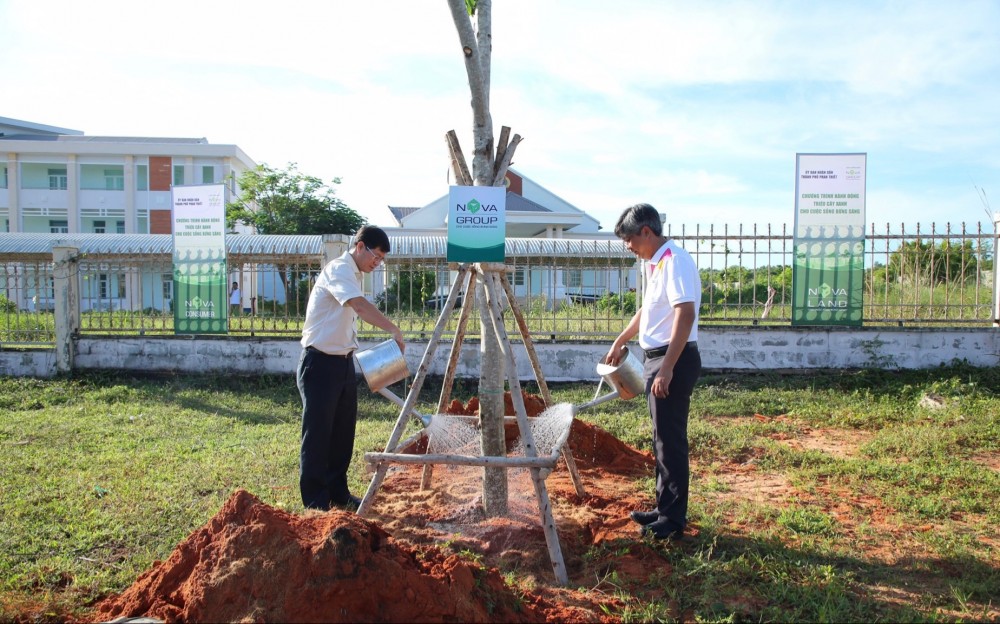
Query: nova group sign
point(477, 223)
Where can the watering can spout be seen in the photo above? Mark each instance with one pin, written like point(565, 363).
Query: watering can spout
point(389, 394)
point(597, 401)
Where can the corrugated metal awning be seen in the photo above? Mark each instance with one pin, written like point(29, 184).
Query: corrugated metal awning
point(33, 246)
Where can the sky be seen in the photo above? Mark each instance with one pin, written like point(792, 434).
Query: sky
point(698, 108)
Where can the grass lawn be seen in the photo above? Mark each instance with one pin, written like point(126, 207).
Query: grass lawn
point(841, 496)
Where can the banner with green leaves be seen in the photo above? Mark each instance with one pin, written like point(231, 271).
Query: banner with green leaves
point(828, 272)
point(200, 278)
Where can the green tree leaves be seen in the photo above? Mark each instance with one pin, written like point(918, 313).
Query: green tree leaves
point(290, 202)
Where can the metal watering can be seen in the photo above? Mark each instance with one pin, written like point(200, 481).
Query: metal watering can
point(626, 378)
point(382, 366)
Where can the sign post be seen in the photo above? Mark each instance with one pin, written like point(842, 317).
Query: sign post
point(829, 269)
point(199, 226)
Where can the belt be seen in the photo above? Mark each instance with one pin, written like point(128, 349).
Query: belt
point(313, 349)
point(661, 351)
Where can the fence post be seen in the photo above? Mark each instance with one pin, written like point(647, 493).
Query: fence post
point(65, 274)
point(334, 246)
point(996, 269)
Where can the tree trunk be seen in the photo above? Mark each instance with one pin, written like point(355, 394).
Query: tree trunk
point(477, 48)
point(491, 390)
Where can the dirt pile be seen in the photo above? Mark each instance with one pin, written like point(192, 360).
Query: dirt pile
point(252, 562)
point(533, 405)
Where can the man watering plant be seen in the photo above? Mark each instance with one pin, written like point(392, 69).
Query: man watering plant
point(326, 378)
point(667, 326)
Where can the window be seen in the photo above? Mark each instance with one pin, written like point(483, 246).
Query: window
point(6, 225)
point(57, 179)
point(168, 286)
point(573, 278)
point(517, 277)
point(100, 227)
point(114, 179)
point(3, 178)
point(102, 286)
point(208, 174)
point(120, 227)
point(142, 177)
point(178, 174)
point(58, 227)
point(121, 286)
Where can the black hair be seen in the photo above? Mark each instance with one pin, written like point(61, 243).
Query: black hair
point(373, 238)
point(637, 217)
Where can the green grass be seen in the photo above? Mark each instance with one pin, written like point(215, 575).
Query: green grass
point(103, 474)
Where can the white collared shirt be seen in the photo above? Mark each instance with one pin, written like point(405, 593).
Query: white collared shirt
point(330, 323)
point(671, 278)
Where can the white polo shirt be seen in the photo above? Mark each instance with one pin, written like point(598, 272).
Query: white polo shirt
point(671, 278)
point(330, 323)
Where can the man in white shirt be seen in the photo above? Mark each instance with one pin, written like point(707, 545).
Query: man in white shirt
point(667, 326)
point(326, 379)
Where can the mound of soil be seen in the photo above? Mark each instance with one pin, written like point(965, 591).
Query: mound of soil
point(254, 562)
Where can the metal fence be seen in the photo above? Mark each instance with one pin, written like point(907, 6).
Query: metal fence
point(569, 290)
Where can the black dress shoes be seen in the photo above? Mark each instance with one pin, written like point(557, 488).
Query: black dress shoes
point(644, 517)
point(662, 530)
point(351, 504)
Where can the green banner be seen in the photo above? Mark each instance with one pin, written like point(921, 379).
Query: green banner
point(828, 272)
point(828, 280)
point(200, 277)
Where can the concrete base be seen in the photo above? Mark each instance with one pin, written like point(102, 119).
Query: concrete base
point(740, 349)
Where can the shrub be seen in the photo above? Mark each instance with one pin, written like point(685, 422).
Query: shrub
point(6, 305)
point(623, 303)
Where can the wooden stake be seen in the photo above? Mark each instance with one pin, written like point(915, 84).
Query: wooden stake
point(458, 164)
point(464, 460)
point(508, 156)
point(541, 492)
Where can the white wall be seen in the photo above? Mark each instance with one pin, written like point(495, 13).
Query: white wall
point(739, 349)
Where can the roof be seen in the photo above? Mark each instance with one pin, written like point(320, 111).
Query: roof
point(401, 212)
point(38, 247)
point(519, 203)
point(21, 125)
point(101, 139)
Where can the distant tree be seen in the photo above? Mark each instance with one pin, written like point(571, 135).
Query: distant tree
point(408, 291)
point(925, 263)
point(290, 202)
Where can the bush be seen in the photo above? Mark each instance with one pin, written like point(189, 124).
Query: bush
point(6, 305)
point(407, 292)
point(618, 303)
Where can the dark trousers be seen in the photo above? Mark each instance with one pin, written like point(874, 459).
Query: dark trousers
point(670, 441)
point(329, 391)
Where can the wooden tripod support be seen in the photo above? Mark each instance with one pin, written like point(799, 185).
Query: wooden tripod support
point(494, 279)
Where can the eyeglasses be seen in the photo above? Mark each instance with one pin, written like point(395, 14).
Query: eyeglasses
point(378, 259)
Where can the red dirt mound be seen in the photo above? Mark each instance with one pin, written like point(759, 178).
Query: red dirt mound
point(252, 562)
point(533, 405)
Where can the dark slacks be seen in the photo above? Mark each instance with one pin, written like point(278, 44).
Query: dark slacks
point(329, 391)
point(670, 441)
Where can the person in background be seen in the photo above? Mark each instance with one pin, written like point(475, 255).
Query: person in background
point(667, 326)
point(325, 377)
point(235, 299)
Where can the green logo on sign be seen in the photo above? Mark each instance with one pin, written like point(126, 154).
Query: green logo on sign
point(473, 206)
